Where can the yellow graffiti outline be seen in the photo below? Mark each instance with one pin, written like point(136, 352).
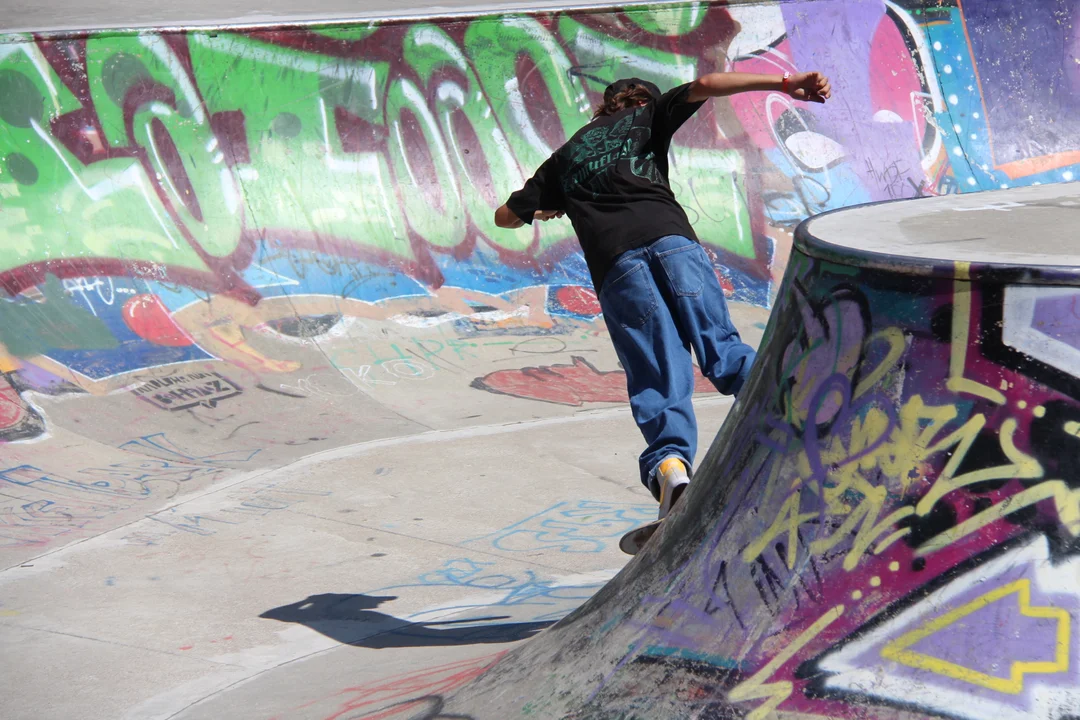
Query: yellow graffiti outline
point(911, 442)
point(863, 517)
point(961, 330)
point(899, 651)
point(1021, 466)
point(1066, 501)
point(755, 687)
point(915, 439)
point(891, 540)
point(788, 516)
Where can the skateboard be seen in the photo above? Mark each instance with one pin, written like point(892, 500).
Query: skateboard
point(633, 541)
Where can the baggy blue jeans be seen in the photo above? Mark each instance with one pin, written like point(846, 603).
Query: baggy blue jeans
point(659, 302)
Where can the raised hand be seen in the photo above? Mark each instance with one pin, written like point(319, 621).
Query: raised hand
point(809, 87)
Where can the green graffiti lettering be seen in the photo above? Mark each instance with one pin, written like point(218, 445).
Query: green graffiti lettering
point(300, 182)
point(429, 191)
point(56, 208)
point(494, 47)
point(468, 124)
point(181, 157)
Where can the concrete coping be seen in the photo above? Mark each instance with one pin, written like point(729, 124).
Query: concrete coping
point(76, 17)
point(1029, 234)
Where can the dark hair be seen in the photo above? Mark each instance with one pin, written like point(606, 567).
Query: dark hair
point(631, 96)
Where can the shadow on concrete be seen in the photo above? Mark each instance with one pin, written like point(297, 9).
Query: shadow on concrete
point(351, 619)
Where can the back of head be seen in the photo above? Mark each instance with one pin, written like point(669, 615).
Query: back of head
point(626, 93)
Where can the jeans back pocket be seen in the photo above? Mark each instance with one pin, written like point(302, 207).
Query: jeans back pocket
point(629, 299)
point(685, 268)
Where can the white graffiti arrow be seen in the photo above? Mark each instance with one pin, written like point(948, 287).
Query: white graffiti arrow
point(1000, 642)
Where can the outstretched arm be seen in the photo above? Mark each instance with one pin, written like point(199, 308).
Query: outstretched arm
point(809, 86)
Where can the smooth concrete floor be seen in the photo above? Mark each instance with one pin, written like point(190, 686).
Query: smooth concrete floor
point(242, 600)
point(378, 542)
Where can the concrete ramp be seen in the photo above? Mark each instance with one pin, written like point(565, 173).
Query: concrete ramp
point(289, 429)
point(887, 524)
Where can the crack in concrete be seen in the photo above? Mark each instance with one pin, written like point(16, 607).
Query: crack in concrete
point(119, 644)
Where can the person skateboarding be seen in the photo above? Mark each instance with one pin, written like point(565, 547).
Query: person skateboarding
point(657, 288)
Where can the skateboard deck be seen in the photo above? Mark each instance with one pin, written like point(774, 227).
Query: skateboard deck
point(633, 541)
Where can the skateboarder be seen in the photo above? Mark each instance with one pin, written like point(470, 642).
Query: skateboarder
point(657, 288)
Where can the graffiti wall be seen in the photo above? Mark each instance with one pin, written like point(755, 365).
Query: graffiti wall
point(917, 513)
point(210, 227)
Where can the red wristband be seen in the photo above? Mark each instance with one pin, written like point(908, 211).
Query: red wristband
point(784, 83)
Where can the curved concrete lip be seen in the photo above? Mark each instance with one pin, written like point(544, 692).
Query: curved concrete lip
point(1030, 233)
point(61, 16)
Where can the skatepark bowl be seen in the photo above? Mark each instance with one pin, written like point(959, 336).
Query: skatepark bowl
point(288, 429)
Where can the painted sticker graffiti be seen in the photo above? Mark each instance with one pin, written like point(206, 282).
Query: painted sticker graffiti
point(181, 392)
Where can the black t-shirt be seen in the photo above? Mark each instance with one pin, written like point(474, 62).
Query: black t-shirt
point(611, 180)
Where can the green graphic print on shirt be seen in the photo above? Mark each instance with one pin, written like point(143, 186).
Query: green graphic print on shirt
point(594, 157)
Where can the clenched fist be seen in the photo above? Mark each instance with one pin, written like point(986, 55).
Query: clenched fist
point(810, 87)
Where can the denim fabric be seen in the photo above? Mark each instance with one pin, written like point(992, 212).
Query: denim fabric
point(659, 302)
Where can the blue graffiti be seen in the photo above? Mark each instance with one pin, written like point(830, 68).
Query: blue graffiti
point(584, 527)
point(534, 598)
